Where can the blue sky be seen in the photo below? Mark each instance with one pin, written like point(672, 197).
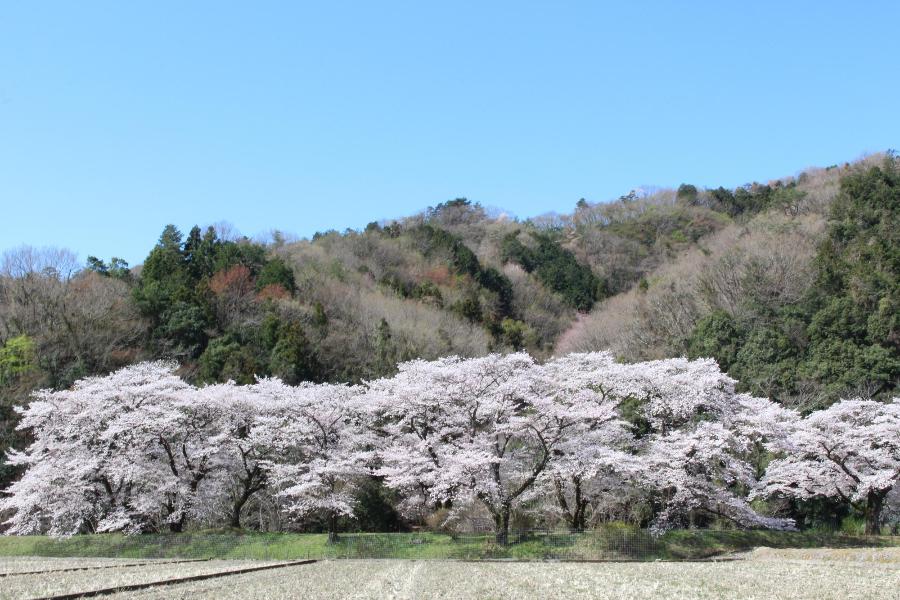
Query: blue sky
point(119, 117)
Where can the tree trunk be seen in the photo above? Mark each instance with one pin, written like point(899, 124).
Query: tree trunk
point(874, 502)
point(174, 526)
point(332, 528)
point(178, 526)
point(502, 522)
point(240, 501)
point(580, 507)
point(236, 514)
point(576, 515)
point(580, 520)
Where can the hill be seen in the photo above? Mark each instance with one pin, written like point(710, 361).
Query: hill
point(792, 285)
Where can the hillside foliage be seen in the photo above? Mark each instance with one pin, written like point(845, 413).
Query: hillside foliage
point(793, 286)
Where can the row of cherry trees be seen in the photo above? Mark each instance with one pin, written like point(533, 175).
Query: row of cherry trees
point(140, 449)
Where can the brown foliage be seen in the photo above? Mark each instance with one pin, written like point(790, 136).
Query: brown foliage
point(78, 320)
point(439, 275)
point(236, 280)
point(273, 291)
point(234, 294)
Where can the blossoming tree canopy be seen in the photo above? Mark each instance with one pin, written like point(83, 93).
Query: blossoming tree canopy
point(141, 450)
point(244, 435)
point(592, 454)
point(850, 450)
point(84, 469)
point(699, 469)
point(468, 429)
point(323, 446)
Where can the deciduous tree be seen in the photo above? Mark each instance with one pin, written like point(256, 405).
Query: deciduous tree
point(850, 450)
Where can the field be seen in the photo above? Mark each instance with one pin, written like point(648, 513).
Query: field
point(45, 577)
point(819, 574)
point(680, 564)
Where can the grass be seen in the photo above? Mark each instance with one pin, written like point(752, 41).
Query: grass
point(419, 580)
point(610, 543)
point(686, 544)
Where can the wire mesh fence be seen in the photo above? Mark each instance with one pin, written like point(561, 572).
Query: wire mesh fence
point(531, 544)
point(606, 544)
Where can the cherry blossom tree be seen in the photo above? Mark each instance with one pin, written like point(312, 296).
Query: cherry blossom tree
point(180, 446)
point(323, 444)
point(850, 450)
point(483, 429)
point(410, 414)
point(244, 431)
point(592, 455)
point(701, 469)
point(141, 450)
point(504, 431)
point(82, 473)
point(700, 435)
point(451, 427)
point(62, 491)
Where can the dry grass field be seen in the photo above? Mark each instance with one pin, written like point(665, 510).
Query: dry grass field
point(815, 574)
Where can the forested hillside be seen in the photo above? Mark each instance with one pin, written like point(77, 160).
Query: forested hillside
point(798, 301)
point(793, 286)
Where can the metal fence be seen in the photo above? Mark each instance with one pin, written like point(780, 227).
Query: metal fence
point(537, 545)
point(607, 544)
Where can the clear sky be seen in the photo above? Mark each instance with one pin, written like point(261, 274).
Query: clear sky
point(119, 117)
